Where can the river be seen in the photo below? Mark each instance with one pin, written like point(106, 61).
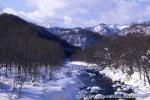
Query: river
point(72, 81)
point(78, 82)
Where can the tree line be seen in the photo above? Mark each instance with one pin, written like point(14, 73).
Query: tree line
point(23, 50)
point(130, 52)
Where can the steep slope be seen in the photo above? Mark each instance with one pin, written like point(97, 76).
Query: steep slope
point(58, 30)
point(77, 36)
point(21, 42)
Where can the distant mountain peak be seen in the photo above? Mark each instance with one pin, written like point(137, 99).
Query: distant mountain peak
point(104, 29)
point(137, 28)
point(79, 36)
point(116, 29)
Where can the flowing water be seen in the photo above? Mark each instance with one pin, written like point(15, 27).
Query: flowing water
point(75, 80)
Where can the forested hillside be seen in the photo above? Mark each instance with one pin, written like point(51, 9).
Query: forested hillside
point(130, 52)
point(24, 48)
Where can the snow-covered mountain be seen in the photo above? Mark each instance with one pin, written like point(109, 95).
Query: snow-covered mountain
point(137, 28)
point(104, 29)
point(83, 37)
point(109, 30)
point(77, 36)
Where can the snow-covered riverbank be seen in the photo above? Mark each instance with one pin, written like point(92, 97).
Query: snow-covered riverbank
point(76, 78)
point(62, 87)
point(141, 88)
point(65, 85)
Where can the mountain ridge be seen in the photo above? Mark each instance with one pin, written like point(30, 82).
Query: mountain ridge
point(111, 29)
point(77, 36)
point(14, 25)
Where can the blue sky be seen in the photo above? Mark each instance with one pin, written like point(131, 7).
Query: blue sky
point(72, 13)
point(19, 5)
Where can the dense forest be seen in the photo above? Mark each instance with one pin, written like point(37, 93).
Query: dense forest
point(130, 52)
point(24, 50)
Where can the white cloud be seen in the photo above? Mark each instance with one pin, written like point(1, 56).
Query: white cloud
point(47, 7)
point(67, 20)
point(72, 13)
point(126, 12)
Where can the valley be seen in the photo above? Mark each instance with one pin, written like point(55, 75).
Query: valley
point(104, 62)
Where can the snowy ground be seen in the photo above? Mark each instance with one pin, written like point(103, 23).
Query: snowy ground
point(65, 84)
point(141, 88)
point(62, 87)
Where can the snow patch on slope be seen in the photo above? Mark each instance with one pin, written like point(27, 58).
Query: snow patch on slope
point(104, 29)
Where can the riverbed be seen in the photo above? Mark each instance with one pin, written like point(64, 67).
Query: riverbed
point(72, 81)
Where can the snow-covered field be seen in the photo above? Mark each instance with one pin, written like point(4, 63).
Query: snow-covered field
point(61, 87)
point(65, 84)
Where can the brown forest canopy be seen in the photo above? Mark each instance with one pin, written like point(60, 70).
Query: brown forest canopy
point(22, 42)
point(119, 49)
